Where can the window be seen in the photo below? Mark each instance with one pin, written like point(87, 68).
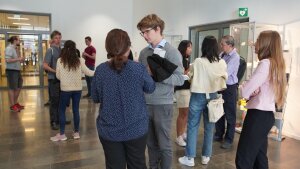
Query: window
point(24, 21)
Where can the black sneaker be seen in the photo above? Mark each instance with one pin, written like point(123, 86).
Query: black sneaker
point(47, 104)
point(226, 145)
point(54, 126)
point(218, 139)
point(68, 122)
point(87, 96)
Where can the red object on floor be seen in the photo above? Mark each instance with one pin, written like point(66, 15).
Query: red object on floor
point(19, 106)
point(15, 108)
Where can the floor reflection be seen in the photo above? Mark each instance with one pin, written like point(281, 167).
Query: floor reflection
point(25, 144)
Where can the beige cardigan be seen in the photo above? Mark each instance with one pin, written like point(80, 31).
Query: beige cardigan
point(71, 80)
point(208, 77)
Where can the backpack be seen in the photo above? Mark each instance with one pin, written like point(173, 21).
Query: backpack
point(242, 69)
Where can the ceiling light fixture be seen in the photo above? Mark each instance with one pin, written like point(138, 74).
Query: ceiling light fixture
point(23, 24)
point(16, 18)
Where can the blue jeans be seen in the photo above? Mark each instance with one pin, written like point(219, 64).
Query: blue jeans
point(63, 101)
point(89, 80)
point(198, 105)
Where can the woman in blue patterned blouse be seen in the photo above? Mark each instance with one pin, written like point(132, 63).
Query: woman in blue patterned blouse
point(119, 85)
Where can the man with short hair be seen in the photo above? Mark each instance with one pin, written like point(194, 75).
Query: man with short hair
point(232, 60)
point(13, 61)
point(89, 55)
point(160, 102)
point(52, 54)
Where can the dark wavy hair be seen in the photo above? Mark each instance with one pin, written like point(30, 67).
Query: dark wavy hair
point(210, 49)
point(183, 45)
point(69, 56)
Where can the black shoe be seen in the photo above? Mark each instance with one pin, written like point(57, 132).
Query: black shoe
point(54, 126)
point(218, 139)
point(68, 122)
point(226, 145)
point(47, 104)
point(87, 96)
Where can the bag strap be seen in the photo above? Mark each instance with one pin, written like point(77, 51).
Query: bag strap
point(51, 62)
point(207, 96)
point(219, 97)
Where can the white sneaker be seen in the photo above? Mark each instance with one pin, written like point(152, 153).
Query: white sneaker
point(184, 136)
point(76, 135)
point(186, 161)
point(180, 141)
point(205, 160)
point(59, 137)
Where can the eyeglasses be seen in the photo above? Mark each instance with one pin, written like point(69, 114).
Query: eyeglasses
point(223, 44)
point(145, 31)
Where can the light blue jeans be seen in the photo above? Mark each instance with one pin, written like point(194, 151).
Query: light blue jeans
point(198, 106)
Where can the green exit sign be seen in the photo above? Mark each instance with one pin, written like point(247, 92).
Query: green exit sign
point(243, 12)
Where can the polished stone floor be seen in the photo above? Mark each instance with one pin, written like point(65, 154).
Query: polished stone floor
point(25, 144)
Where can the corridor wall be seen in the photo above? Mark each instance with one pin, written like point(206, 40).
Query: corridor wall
point(76, 19)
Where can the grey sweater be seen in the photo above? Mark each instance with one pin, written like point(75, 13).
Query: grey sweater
point(164, 90)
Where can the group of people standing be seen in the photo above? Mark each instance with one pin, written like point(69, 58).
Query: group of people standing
point(220, 74)
point(136, 110)
point(64, 68)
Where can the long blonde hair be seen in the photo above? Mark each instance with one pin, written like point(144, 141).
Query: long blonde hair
point(269, 47)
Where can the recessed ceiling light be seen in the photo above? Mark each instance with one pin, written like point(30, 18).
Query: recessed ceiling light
point(16, 18)
point(23, 24)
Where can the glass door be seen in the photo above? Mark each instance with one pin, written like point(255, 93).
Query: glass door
point(203, 34)
point(218, 30)
point(45, 46)
point(33, 30)
point(2, 60)
point(30, 69)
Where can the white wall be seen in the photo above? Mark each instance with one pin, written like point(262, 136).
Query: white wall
point(180, 14)
point(142, 8)
point(196, 12)
point(291, 125)
point(97, 17)
point(76, 20)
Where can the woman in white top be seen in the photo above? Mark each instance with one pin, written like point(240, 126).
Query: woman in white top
point(69, 72)
point(208, 74)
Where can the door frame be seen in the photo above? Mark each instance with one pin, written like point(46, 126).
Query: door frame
point(210, 26)
point(30, 32)
point(40, 54)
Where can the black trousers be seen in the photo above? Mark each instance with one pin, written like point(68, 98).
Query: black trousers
point(230, 98)
point(253, 143)
point(49, 82)
point(54, 97)
point(120, 154)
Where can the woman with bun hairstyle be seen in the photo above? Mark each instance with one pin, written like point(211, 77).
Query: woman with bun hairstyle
point(119, 86)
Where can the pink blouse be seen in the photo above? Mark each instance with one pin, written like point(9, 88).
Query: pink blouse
point(265, 99)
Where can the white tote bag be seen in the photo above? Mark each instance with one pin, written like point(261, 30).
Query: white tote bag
point(215, 109)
